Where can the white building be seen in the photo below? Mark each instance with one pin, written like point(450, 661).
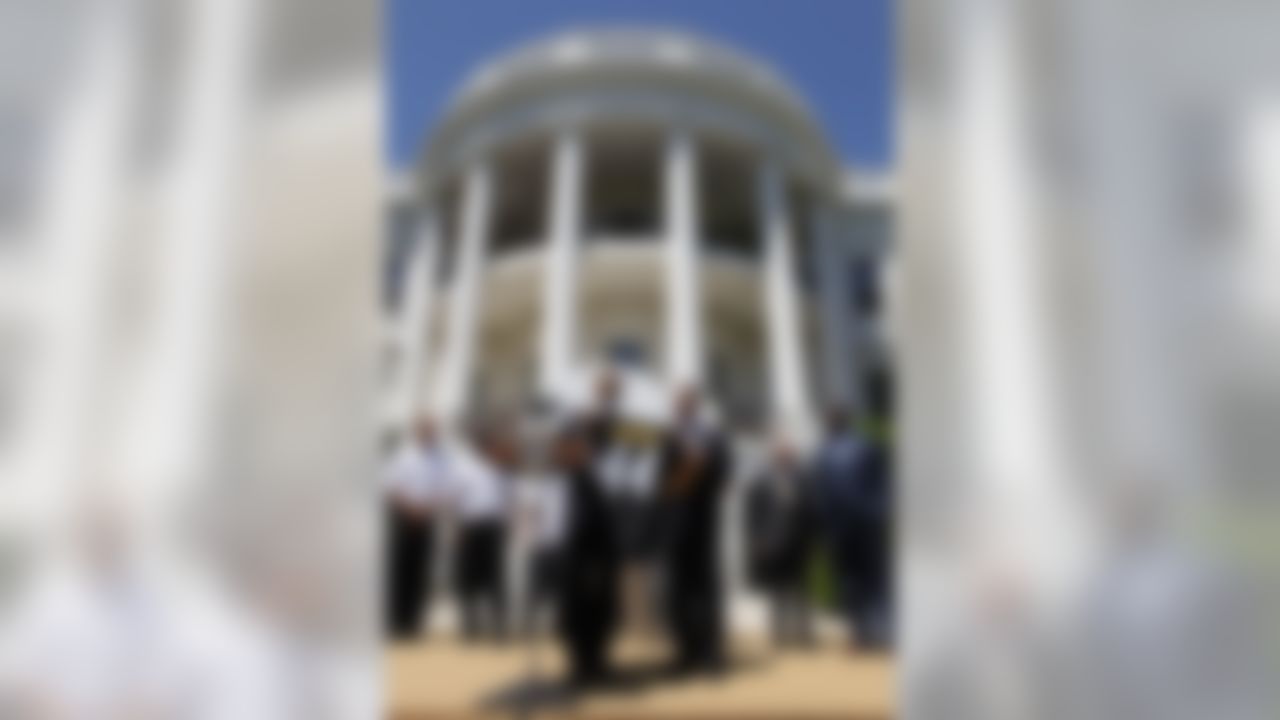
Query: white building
point(639, 197)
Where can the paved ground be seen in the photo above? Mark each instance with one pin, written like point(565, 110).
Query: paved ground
point(446, 679)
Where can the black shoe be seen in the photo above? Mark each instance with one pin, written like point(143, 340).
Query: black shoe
point(683, 668)
point(588, 679)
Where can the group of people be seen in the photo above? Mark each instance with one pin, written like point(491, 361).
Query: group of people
point(603, 526)
point(838, 501)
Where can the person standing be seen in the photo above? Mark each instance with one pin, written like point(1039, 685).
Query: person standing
point(693, 473)
point(853, 490)
point(413, 486)
point(538, 522)
point(603, 420)
point(624, 464)
point(588, 577)
point(780, 538)
point(481, 499)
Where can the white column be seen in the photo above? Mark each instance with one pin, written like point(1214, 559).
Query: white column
point(413, 329)
point(831, 268)
point(453, 380)
point(78, 229)
point(171, 444)
point(683, 300)
point(560, 269)
point(787, 368)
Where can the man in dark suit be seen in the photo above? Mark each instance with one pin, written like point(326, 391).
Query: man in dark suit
point(693, 472)
point(603, 422)
point(780, 533)
point(852, 483)
point(589, 563)
point(622, 455)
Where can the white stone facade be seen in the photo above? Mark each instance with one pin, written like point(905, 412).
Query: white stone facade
point(636, 197)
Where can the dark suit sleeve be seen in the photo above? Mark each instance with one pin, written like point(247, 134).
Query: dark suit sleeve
point(757, 508)
point(664, 466)
point(807, 506)
point(720, 471)
point(826, 502)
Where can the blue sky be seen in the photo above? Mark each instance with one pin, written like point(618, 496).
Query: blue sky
point(837, 53)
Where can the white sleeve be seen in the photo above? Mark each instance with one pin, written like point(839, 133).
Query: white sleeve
point(524, 495)
point(437, 477)
point(398, 475)
point(644, 473)
point(459, 478)
point(612, 470)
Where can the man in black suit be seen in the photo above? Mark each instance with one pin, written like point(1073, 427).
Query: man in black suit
point(693, 472)
point(623, 463)
point(780, 533)
point(589, 563)
point(852, 482)
point(603, 422)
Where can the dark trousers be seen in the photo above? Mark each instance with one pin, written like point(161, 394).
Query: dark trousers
point(587, 656)
point(407, 572)
point(588, 613)
point(694, 614)
point(863, 567)
point(480, 586)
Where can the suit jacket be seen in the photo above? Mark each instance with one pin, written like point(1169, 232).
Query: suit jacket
point(601, 430)
point(851, 478)
point(690, 501)
point(588, 587)
point(780, 528)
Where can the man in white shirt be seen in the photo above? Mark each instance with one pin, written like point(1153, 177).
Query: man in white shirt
point(479, 492)
point(540, 515)
point(414, 485)
point(112, 629)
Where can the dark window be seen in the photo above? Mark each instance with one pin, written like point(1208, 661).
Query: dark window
point(623, 184)
point(726, 196)
point(628, 352)
point(864, 285)
point(397, 256)
point(520, 197)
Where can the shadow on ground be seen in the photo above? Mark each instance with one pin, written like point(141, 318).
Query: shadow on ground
point(552, 693)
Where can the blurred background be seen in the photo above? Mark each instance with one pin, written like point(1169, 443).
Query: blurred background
point(1057, 244)
point(620, 76)
point(664, 195)
point(1086, 355)
point(185, 529)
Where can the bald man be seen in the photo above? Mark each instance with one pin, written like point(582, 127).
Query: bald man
point(693, 473)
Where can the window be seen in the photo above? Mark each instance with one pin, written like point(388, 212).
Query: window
point(398, 254)
point(628, 352)
point(523, 182)
point(726, 193)
point(864, 286)
point(623, 182)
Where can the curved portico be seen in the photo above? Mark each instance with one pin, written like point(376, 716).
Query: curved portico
point(639, 196)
